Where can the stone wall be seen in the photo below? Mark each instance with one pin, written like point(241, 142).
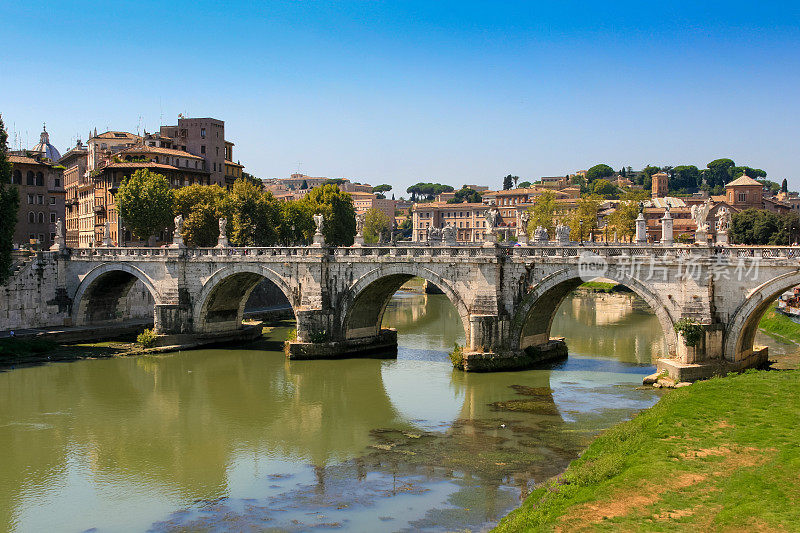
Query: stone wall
point(29, 298)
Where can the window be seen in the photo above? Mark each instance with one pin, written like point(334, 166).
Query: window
point(41, 237)
point(215, 167)
point(742, 196)
point(52, 200)
point(202, 133)
point(17, 180)
point(52, 218)
point(202, 148)
point(30, 199)
point(217, 151)
point(39, 179)
point(41, 218)
point(57, 183)
point(31, 219)
point(40, 199)
point(29, 178)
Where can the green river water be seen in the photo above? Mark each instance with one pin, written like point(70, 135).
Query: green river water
point(240, 439)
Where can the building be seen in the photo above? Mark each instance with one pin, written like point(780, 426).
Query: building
point(179, 167)
point(79, 197)
point(205, 138)
point(660, 185)
point(104, 146)
point(41, 194)
point(364, 201)
point(45, 150)
point(467, 218)
point(554, 182)
point(233, 171)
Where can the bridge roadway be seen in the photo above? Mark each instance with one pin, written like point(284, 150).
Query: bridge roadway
point(506, 296)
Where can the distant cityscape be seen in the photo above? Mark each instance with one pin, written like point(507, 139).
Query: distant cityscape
point(79, 188)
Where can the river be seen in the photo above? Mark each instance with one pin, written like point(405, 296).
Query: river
point(242, 439)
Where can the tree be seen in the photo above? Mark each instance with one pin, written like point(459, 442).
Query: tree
point(599, 171)
point(771, 186)
point(252, 179)
point(719, 172)
point(757, 226)
point(427, 191)
point(543, 213)
point(9, 204)
point(201, 207)
point(684, 178)
point(466, 195)
point(377, 226)
point(508, 182)
point(583, 219)
point(334, 181)
point(623, 219)
point(754, 173)
point(525, 185)
point(297, 223)
point(304, 185)
point(254, 216)
point(382, 188)
point(336, 207)
point(784, 186)
point(604, 188)
point(145, 203)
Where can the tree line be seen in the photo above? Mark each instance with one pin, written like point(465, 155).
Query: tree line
point(147, 205)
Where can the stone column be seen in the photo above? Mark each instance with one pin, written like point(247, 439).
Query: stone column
point(666, 229)
point(641, 229)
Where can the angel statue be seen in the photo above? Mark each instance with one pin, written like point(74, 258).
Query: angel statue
point(318, 220)
point(223, 227)
point(178, 223)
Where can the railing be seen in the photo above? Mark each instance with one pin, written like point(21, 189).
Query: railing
point(416, 250)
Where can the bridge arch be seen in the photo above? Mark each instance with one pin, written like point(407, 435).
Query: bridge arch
point(103, 291)
point(362, 306)
point(221, 302)
point(742, 327)
point(533, 319)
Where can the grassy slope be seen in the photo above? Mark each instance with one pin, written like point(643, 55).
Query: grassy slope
point(720, 455)
point(780, 325)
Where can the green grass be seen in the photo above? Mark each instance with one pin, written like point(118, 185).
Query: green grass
point(599, 286)
point(721, 455)
point(780, 325)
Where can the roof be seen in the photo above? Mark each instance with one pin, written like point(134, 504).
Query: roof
point(445, 205)
point(117, 135)
point(231, 163)
point(144, 149)
point(23, 159)
point(513, 192)
point(151, 164)
point(742, 180)
point(667, 200)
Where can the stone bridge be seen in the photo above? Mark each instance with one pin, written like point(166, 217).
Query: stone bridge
point(506, 296)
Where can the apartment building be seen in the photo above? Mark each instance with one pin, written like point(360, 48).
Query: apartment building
point(41, 195)
point(79, 197)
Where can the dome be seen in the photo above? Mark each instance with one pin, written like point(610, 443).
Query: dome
point(45, 148)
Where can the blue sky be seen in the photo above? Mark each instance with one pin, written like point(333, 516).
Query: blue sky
point(401, 92)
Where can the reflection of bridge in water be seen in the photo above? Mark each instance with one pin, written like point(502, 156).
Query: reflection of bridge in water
point(506, 297)
point(173, 424)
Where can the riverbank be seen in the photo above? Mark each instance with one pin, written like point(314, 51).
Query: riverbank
point(20, 352)
point(602, 286)
point(721, 454)
point(780, 326)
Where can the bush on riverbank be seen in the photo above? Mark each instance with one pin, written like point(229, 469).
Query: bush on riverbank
point(147, 338)
point(721, 454)
point(457, 356)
